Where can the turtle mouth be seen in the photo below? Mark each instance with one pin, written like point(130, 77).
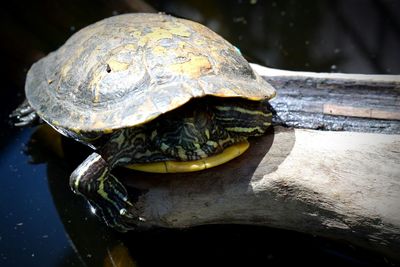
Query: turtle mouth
point(226, 155)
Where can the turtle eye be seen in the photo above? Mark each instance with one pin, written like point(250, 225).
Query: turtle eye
point(108, 68)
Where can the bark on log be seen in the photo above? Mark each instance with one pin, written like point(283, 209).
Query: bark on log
point(334, 184)
point(335, 101)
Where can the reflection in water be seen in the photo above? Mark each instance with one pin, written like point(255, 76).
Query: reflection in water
point(31, 232)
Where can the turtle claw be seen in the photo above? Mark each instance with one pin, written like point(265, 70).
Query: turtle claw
point(24, 115)
point(115, 208)
point(119, 221)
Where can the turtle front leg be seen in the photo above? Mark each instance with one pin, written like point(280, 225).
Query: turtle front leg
point(93, 180)
point(24, 115)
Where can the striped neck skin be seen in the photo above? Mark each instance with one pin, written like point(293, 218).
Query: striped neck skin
point(243, 118)
point(197, 130)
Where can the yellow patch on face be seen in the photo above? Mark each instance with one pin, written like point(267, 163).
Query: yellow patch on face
point(194, 67)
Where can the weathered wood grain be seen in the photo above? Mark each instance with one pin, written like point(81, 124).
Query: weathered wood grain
point(336, 101)
point(343, 185)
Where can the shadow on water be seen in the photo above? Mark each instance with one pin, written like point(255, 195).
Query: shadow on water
point(44, 224)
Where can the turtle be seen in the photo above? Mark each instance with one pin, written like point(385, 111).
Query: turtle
point(152, 92)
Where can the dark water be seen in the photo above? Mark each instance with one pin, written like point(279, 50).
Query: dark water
point(43, 224)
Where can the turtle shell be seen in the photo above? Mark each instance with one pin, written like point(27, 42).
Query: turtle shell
point(128, 69)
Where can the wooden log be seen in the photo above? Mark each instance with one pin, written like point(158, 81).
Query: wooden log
point(334, 184)
point(336, 101)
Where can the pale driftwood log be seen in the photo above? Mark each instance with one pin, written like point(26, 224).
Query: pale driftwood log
point(334, 184)
point(343, 185)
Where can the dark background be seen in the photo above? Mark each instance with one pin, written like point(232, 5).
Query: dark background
point(323, 36)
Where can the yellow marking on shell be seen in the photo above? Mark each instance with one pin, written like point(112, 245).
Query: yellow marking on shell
point(256, 98)
point(116, 65)
point(145, 112)
point(159, 50)
point(178, 29)
point(154, 36)
point(68, 63)
point(199, 42)
point(136, 34)
point(181, 45)
point(175, 102)
point(98, 124)
point(94, 84)
point(64, 70)
point(130, 46)
point(194, 67)
point(133, 119)
point(225, 92)
point(195, 165)
point(81, 120)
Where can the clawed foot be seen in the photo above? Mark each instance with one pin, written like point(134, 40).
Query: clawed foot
point(24, 115)
point(113, 206)
point(108, 197)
